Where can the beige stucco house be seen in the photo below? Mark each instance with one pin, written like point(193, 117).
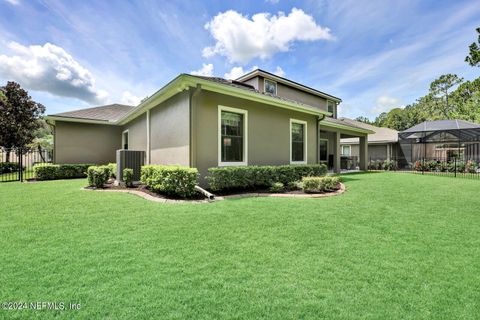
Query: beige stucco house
point(382, 144)
point(204, 122)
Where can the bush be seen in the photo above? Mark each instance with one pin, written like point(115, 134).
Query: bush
point(471, 166)
point(128, 177)
point(8, 167)
point(113, 170)
point(171, 180)
point(252, 177)
point(390, 165)
point(276, 187)
point(48, 171)
point(320, 184)
point(97, 176)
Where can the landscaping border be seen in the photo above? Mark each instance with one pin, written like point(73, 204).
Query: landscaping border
point(149, 197)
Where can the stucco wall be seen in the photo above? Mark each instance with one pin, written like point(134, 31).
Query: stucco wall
point(86, 143)
point(268, 131)
point(170, 131)
point(137, 133)
point(291, 93)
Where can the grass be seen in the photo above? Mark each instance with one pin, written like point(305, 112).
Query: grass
point(393, 246)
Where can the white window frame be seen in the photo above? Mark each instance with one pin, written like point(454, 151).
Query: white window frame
point(276, 86)
point(349, 148)
point(305, 141)
point(245, 136)
point(334, 113)
point(320, 160)
point(123, 138)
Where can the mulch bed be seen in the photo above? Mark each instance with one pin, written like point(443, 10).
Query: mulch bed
point(147, 194)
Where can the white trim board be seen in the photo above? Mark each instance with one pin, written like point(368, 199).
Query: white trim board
point(305, 141)
point(245, 136)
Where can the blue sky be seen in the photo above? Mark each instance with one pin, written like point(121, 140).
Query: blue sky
point(373, 54)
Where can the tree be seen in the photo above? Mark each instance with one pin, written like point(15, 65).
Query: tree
point(19, 116)
point(363, 119)
point(440, 89)
point(473, 58)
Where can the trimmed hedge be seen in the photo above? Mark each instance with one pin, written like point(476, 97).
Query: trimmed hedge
point(97, 176)
point(252, 177)
point(319, 184)
point(128, 177)
point(47, 171)
point(8, 167)
point(113, 170)
point(171, 180)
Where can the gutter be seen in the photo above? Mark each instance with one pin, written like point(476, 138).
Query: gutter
point(346, 127)
point(183, 82)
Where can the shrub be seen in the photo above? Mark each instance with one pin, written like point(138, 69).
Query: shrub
point(276, 187)
point(471, 166)
point(171, 180)
point(97, 176)
point(113, 170)
point(47, 171)
point(293, 185)
point(390, 165)
point(252, 177)
point(320, 184)
point(128, 177)
point(8, 167)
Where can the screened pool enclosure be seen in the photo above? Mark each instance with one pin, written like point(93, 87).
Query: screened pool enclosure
point(439, 145)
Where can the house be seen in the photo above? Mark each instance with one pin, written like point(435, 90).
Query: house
point(382, 144)
point(204, 122)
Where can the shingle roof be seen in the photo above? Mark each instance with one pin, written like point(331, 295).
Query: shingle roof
point(440, 125)
point(380, 135)
point(111, 112)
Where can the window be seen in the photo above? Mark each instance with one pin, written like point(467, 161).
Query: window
point(270, 86)
point(232, 136)
point(346, 151)
point(125, 139)
point(331, 106)
point(298, 141)
point(323, 150)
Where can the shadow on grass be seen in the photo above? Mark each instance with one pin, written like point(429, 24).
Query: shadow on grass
point(346, 177)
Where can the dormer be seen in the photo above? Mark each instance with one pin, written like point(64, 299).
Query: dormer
point(270, 83)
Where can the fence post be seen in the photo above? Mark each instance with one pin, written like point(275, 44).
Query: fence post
point(20, 166)
point(423, 165)
point(455, 160)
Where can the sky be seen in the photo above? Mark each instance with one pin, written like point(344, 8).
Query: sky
point(374, 55)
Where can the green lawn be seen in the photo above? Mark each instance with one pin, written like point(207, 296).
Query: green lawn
point(393, 246)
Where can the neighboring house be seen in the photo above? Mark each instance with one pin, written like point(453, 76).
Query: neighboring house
point(204, 122)
point(382, 144)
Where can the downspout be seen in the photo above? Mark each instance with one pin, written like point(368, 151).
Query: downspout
point(192, 137)
point(148, 136)
point(319, 119)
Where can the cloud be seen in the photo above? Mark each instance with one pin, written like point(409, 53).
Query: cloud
point(50, 68)
point(241, 39)
point(131, 99)
point(279, 72)
point(237, 72)
point(386, 103)
point(273, 1)
point(206, 70)
point(14, 2)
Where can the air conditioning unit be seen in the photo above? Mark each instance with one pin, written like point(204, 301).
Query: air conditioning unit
point(132, 159)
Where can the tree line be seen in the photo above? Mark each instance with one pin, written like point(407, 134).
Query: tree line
point(449, 97)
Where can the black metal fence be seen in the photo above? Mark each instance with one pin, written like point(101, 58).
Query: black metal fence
point(452, 166)
point(17, 164)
